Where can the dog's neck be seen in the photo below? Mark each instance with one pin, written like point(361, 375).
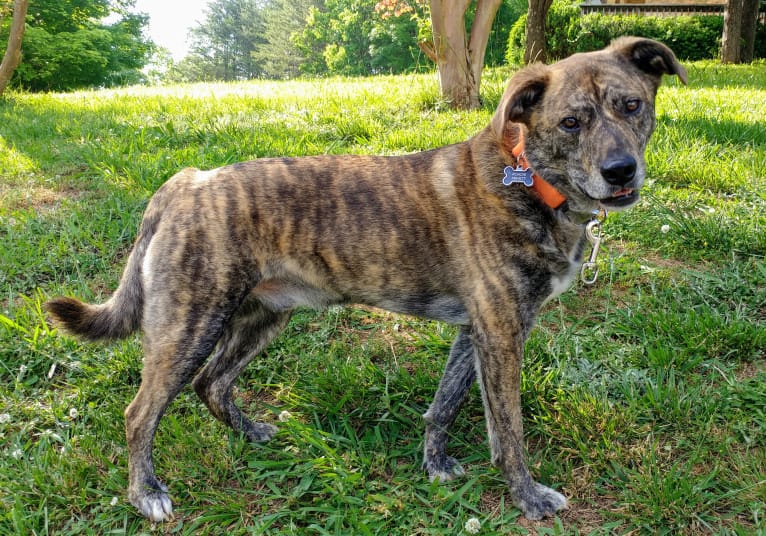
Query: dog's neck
point(547, 192)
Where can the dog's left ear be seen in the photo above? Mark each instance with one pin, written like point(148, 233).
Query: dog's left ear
point(650, 56)
point(523, 92)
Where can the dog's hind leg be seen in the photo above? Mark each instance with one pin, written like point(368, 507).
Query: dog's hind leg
point(459, 375)
point(177, 340)
point(249, 332)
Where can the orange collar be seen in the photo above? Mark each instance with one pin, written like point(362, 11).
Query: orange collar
point(547, 192)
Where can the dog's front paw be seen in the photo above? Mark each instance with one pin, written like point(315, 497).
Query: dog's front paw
point(260, 432)
point(444, 468)
point(153, 503)
point(538, 501)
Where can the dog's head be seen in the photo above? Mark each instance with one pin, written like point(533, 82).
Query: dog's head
point(587, 119)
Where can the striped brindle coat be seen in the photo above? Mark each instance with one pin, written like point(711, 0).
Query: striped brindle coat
point(223, 257)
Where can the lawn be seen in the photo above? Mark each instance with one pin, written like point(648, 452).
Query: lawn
point(644, 395)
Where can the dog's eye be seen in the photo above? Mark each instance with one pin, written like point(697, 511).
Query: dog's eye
point(570, 124)
point(632, 106)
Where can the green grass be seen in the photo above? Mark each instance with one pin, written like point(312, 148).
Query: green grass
point(645, 395)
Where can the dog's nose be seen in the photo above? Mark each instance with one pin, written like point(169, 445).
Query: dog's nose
point(619, 171)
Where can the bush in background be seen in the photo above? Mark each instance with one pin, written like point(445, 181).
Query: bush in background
point(692, 37)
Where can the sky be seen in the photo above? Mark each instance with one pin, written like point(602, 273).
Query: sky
point(170, 20)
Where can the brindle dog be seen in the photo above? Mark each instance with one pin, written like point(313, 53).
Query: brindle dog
point(223, 256)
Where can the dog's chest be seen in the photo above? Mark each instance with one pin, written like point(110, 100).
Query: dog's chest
point(560, 283)
point(562, 279)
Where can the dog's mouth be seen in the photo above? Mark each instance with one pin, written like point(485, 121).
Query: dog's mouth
point(621, 198)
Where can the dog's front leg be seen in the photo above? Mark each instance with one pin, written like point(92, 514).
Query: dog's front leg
point(499, 347)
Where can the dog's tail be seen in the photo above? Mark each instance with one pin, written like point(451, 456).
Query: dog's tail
point(120, 315)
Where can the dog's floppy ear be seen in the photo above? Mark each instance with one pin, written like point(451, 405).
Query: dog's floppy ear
point(650, 56)
point(523, 92)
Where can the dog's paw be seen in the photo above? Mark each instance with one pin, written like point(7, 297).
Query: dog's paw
point(538, 501)
point(153, 504)
point(260, 432)
point(444, 468)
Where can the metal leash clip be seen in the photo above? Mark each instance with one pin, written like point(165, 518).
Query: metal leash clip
point(589, 270)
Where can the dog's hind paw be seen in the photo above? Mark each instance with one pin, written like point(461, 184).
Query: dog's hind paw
point(538, 501)
point(445, 468)
point(153, 504)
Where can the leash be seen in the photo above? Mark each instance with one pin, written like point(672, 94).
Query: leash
point(523, 174)
point(589, 270)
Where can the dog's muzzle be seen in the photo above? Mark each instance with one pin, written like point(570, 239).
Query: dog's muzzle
point(620, 171)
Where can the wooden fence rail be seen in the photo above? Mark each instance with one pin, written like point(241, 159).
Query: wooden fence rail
point(661, 10)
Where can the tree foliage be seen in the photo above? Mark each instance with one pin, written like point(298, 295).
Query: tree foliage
point(67, 46)
point(279, 56)
point(225, 41)
point(336, 37)
point(347, 37)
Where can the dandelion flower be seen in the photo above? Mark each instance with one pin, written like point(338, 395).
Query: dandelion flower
point(472, 526)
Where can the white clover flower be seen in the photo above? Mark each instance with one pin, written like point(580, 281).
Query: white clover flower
point(665, 229)
point(73, 413)
point(5, 418)
point(114, 501)
point(17, 454)
point(472, 526)
point(284, 416)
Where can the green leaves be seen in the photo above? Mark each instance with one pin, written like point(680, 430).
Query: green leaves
point(69, 49)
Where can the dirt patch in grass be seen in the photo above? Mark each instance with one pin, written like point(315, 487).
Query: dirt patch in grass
point(34, 197)
point(751, 369)
point(583, 517)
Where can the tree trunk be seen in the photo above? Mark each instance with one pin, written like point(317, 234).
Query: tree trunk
point(455, 79)
point(749, 23)
point(459, 57)
point(732, 31)
point(480, 30)
point(12, 56)
point(535, 46)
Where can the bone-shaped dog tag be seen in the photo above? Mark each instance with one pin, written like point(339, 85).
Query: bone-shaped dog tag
point(518, 175)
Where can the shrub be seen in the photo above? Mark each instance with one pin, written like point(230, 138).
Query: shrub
point(516, 41)
point(692, 38)
point(760, 41)
point(695, 37)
